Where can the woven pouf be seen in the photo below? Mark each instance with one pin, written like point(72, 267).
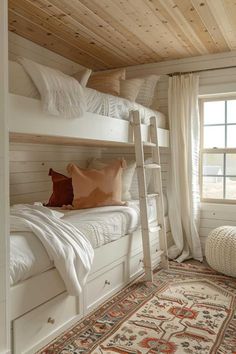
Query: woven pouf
point(221, 250)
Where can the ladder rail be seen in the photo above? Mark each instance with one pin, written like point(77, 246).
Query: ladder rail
point(157, 181)
point(143, 195)
point(147, 260)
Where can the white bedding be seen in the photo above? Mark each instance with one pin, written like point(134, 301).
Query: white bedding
point(60, 94)
point(100, 225)
point(68, 248)
point(97, 102)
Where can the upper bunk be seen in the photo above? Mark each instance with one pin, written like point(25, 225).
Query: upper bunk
point(28, 122)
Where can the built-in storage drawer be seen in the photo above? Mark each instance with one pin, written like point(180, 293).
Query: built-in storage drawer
point(103, 284)
point(136, 262)
point(135, 265)
point(155, 254)
point(34, 329)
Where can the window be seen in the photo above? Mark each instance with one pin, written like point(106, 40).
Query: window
point(218, 150)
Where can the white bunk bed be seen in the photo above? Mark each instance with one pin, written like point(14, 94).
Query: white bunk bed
point(40, 306)
point(29, 123)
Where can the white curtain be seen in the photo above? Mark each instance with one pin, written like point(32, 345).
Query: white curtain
point(183, 188)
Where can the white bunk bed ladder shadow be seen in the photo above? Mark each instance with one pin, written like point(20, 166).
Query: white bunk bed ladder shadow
point(160, 228)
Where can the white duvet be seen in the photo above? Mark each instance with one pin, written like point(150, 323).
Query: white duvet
point(29, 257)
point(118, 107)
point(70, 251)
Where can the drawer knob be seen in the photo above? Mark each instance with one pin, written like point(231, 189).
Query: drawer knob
point(51, 320)
point(107, 282)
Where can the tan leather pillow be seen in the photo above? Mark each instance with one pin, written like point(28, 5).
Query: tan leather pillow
point(107, 81)
point(94, 188)
point(129, 89)
point(127, 175)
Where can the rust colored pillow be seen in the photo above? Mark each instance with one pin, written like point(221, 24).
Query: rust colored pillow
point(95, 188)
point(62, 190)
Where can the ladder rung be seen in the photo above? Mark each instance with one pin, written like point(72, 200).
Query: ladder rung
point(146, 143)
point(152, 165)
point(154, 228)
point(151, 195)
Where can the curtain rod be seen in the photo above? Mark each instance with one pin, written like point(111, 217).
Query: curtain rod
point(200, 71)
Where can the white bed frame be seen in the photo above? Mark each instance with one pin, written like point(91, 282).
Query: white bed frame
point(29, 123)
point(40, 306)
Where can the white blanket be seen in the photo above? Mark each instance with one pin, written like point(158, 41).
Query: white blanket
point(118, 107)
point(61, 94)
point(66, 246)
point(105, 224)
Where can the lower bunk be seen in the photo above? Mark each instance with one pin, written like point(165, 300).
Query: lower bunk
point(40, 305)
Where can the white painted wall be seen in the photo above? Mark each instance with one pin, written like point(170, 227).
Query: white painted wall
point(4, 245)
point(211, 82)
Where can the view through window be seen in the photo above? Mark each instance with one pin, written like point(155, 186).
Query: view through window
point(218, 152)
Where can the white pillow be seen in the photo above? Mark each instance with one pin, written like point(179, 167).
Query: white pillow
point(61, 94)
point(20, 82)
point(127, 175)
point(83, 76)
point(147, 90)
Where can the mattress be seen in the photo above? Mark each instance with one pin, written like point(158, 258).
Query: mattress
point(97, 102)
point(28, 257)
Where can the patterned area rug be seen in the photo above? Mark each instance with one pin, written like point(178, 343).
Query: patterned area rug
point(187, 309)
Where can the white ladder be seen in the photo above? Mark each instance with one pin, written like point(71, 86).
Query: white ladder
point(146, 229)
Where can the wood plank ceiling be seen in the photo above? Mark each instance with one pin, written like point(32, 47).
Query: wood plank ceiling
point(103, 34)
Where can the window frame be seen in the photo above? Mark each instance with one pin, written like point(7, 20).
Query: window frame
point(224, 151)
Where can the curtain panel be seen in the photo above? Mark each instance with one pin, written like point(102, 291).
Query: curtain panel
point(183, 186)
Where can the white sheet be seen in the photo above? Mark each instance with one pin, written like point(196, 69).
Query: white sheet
point(70, 251)
point(97, 102)
point(29, 257)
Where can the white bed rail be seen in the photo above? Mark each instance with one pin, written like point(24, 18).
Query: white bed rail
point(28, 123)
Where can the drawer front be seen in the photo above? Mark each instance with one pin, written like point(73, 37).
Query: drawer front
point(104, 284)
point(136, 264)
point(156, 259)
point(31, 330)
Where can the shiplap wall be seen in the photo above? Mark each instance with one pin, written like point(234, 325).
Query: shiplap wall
point(4, 196)
point(29, 165)
point(211, 83)
point(19, 46)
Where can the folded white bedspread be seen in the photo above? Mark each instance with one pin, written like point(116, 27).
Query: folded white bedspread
point(66, 246)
